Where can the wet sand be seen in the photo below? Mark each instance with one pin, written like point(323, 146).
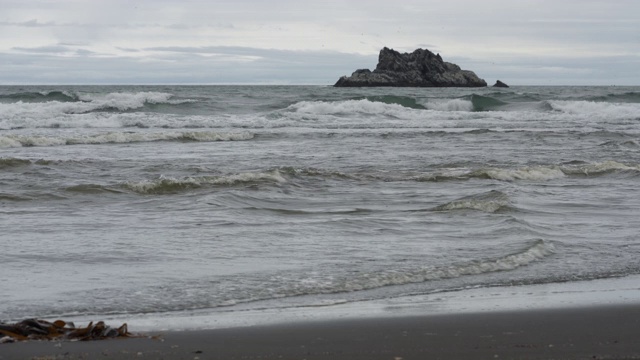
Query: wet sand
point(600, 332)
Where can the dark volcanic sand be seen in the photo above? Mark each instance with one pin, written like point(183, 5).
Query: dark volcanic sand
point(605, 332)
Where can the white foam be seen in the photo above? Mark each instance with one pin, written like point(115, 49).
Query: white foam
point(350, 107)
point(449, 105)
point(7, 142)
point(69, 114)
point(126, 101)
point(485, 205)
point(604, 110)
point(527, 173)
point(537, 251)
point(464, 301)
point(122, 137)
point(165, 184)
point(599, 168)
point(533, 173)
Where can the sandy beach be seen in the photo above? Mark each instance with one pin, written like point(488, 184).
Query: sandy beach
point(601, 332)
point(581, 320)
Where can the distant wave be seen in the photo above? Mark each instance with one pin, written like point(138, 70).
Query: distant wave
point(627, 97)
point(315, 172)
point(91, 189)
point(9, 162)
point(601, 168)
point(492, 201)
point(147, 110)
point(628, 144)
point(121, 137)
point(59, 106)
point(597, 110)
point(13, 197)
point(40, 96)
point(170, 185)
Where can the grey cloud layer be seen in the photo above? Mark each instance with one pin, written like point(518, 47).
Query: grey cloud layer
point(286, 41)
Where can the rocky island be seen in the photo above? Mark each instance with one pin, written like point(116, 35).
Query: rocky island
point(500, 84)
point(421, 68)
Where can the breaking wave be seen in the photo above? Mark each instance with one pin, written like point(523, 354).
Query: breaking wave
point(536, 251)
point(601, 168)
point(121, 137)
point(484, 103)
point(542, 173)
point(169, 185)
point(292, 284)
point(405, 101)
point(489, 202)
point(603, 110)
point(315, 172)
point(363, 106)
point(55, 108)
point(531, 173)
point(450, 105)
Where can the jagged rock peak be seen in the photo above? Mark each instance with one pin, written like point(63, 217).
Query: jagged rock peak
point(500, 84)
point(421, 68)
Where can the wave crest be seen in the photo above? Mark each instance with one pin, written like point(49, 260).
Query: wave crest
point(600, 168)
point(122, 137)
point(538, 250)
point(541, 173)
point(168, 185)
point(363, 106)
point(450, 105)
point(490, 202)
point(55, 112)
point(603, 110)
point(10, 162)
point(41, 96)
point(530, 173)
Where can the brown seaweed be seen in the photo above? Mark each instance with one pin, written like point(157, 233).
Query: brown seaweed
point(35, 329)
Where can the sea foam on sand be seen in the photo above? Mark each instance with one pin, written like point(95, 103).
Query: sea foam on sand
point(601, 292)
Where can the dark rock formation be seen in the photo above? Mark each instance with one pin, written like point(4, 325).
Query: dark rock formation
point(500, 84)
point(421, 68)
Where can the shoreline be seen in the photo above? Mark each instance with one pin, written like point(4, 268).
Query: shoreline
point(587, 293)
point(600, 332)
point(587, 319)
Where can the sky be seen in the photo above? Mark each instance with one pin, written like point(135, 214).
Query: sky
point(521, 42)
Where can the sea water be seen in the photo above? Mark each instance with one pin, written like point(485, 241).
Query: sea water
point(129, 201)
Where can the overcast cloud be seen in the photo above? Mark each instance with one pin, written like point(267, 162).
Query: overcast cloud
point(537, 42)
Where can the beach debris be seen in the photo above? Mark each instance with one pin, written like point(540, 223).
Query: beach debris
point(35, 329)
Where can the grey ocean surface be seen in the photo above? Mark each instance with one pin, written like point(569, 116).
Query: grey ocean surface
point(161, 199)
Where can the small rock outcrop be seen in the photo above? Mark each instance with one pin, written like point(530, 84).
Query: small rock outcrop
point(421, 68)
point(500, 84)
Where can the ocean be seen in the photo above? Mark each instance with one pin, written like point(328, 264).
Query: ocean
point(132, 202)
